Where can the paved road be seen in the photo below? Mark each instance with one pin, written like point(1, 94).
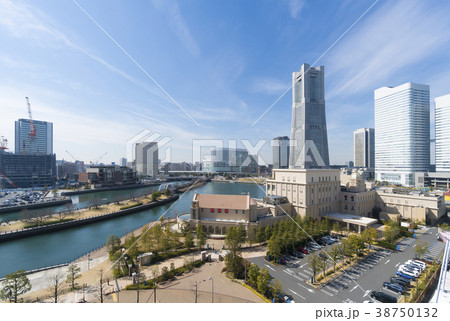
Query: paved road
point(356, 284)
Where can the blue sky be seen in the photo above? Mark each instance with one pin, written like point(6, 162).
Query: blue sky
point(223, 62)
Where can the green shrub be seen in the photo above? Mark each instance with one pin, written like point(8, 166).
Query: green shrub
point(386, 245)
point(48, 223)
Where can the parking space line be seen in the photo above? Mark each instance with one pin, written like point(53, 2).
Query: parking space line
point(305, 276)
point(326, 292)
point(270, 267)
point(331, 289)
point(297, 294)
point(310, 290)
point(354, 288)
point(387, 261)
point(303, 265)
point(367, 292)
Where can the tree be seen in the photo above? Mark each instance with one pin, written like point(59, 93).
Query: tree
point(131, 245)
point(253, 273)
point(334, 255)
point(314, 264)
point(113, 244)
point(356, 243)
point(260, 236)
point(263, 281)
point(189, 240)
point(73, 273)
point(421, 248)
point(15, 284)
point(390, 233)
point(337, 228)
point(201, 236)
point(233, 260)
point(167, 192)
point(369, 235)
point(323, 262)
point(56, 289)
point(35, 218)
point(252, 238)
point(444, 226)
point(276, 289)
point(274, 246)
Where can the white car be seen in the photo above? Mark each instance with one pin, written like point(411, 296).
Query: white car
point(407, 271)
point(422, 264)
point(414, 264)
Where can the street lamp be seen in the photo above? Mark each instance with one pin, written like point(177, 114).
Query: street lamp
point(212, 289)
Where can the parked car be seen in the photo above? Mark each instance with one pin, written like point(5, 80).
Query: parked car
point(282, 260)
point(410, 268)
point(422, 264)
point(297, 254)
point(414, 265)
point(409, 271)
point(303, 250)
point(288, 298)
point(382, 297)
point(406, 276)
point(399, 280)
point(394, 287)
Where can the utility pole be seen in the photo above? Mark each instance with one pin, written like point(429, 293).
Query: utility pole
point(196, 291)
point(212, 289)
point(154, 293)
point(56, 289)
point(101, 286)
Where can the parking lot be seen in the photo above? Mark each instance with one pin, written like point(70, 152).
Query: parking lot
point(356, 284)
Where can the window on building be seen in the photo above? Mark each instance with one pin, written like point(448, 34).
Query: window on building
point(353, 198)
point(212, 210)
point(353, 208)
point(236, 211)
point(345, 197)
point(312, 179)
point(219, 210)
point(243, 211)
point(293, 179)
point(226, 210)
point(345, 206)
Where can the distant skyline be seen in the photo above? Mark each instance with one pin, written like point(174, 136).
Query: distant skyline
point(224, 63)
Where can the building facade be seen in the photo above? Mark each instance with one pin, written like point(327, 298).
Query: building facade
point(147, 158)
point(442, 107)
point(218, 213)
point(309, 140)
point(104, 176)
point(312, 192)
point(281, 152)
point(364, 147)
point(402, 127)
point(27, 171)
point(42, 144)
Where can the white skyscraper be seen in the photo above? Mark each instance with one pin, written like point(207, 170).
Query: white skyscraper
point(402, 132)
point(442, 104)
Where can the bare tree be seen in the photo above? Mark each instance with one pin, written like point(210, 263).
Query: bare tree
point(57, 288)
point(195, 291)
point(101, 287)
point(73, 274)
point(35, 218)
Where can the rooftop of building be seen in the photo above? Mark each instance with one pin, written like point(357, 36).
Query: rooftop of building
point(237, 202)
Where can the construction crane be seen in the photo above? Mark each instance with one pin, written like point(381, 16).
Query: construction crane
point(2, 176)
point(3, 143)
point(74, 158)
point(99, 158)
point(32, 133)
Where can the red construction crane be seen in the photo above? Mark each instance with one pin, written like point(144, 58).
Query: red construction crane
point(2, 176)
point(32, 133)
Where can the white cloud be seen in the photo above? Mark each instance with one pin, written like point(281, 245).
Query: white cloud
point(178, 25)
point(270, 85)
point(295, 7)
point(398, 35)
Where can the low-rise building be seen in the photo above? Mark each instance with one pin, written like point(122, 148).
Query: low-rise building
point(217, 213)
point(103, 176)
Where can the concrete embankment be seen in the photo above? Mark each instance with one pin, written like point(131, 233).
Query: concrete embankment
point(35, 205)
point(8, 236)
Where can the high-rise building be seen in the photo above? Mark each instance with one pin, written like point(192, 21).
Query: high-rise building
point(402, 127)
point(123, 161)
point(41, 144)
point(364, 147)
point(309, 140)
point(442, 104)
point(281, 152)
point(147, 158)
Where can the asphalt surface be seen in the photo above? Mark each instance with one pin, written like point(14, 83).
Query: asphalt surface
point(355, 285)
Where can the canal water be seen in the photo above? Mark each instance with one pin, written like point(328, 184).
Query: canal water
point(64, 246)
point(86, 200)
